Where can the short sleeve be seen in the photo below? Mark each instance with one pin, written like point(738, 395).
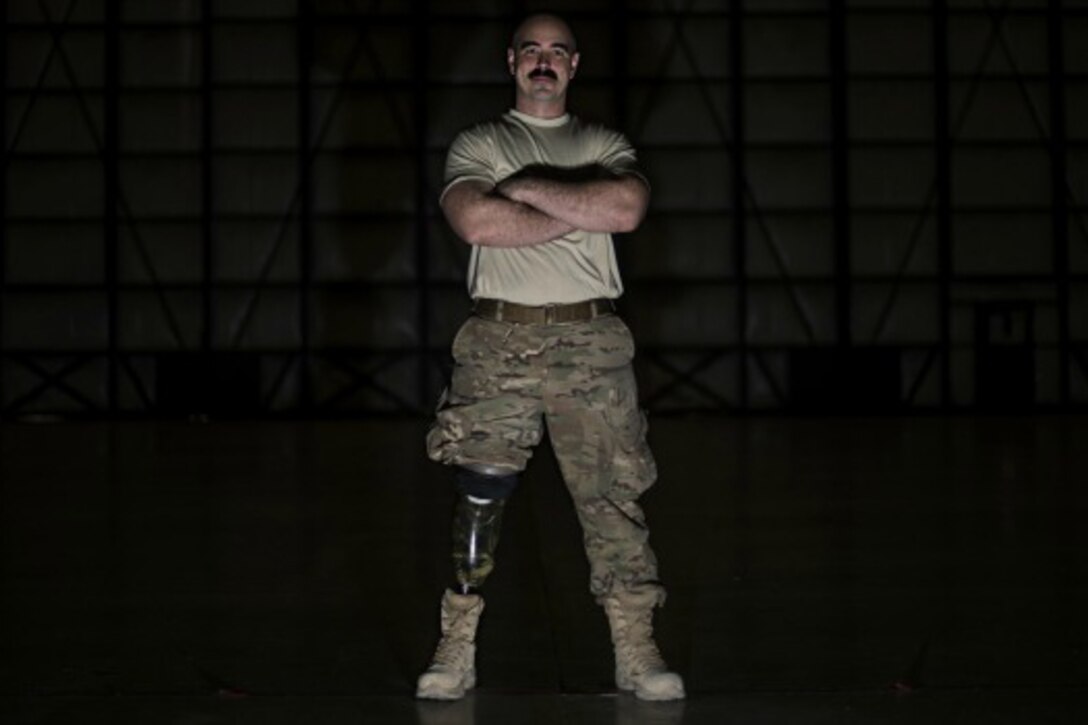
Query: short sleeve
point(618, 156)
point(470, 157)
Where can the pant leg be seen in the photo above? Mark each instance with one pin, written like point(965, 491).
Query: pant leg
point(491, 413)
point(598, 433)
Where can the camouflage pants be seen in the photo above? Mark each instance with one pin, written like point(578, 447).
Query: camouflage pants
point(510, 380)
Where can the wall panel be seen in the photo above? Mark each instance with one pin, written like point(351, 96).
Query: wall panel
point(261, 179)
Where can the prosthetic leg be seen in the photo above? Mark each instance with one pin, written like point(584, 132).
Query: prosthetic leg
point(476, 525)
point(477, 520)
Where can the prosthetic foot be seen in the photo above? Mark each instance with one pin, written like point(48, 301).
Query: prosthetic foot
point(639, 665)
point(453, 668)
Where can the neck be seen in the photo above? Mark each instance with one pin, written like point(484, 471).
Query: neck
point(540, 109)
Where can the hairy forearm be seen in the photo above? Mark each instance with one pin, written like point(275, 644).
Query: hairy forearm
point(492, 220)
point(613, 204)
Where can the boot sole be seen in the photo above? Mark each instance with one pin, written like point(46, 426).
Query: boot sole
point(660, 696)
point(626, 685)
point(434, 692)
point(444, 695)
point(655, 696)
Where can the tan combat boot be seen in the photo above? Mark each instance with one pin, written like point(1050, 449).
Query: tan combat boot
point(639, 665)
point(453, 668)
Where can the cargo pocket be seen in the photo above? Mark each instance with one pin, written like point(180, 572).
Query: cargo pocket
point(633, 465)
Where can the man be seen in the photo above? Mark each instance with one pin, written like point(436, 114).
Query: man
point(538, 194)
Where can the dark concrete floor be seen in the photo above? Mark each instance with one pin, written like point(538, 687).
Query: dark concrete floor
point(843, 570)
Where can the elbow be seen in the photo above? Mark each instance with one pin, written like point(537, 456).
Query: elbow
point(468, 234)
point(631, 216)
point(477, 235)
point(484, 237)
point(633, 210)
point(467, 218)
point(629, 221)
point(472, 229)
point(476, 238)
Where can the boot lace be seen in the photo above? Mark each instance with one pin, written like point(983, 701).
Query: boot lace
point(450, 651)
point(639, 647)
point(644, 657)
point(453, 645)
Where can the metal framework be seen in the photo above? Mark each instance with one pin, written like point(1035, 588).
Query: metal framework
point(209, 325)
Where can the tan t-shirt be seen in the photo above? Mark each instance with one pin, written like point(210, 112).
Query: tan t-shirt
point(572, 268)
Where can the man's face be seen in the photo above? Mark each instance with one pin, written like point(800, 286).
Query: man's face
point(543, 60)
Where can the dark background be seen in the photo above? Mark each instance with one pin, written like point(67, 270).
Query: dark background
point(229, 207)
point(228, 296)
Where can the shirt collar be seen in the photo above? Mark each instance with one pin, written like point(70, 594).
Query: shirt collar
point(542, 122)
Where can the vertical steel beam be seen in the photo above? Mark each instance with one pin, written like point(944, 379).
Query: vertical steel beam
point(111, 184)
point(420, 74)
point(620, 96)
point(1058, 191)
point(620, 80)
point(739, 183)
point(942, 140)
point(305, 53)
point(3, 204)
point(840, 169)
point(618, 22)
point(207, 177)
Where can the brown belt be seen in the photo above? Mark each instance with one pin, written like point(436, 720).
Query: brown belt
point(503, 311)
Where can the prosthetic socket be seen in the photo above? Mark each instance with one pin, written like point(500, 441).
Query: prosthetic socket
point(477, 519)
point(476, 524)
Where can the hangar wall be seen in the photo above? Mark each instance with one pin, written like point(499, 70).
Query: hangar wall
point(228, 207)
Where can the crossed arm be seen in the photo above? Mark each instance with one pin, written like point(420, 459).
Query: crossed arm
point(531, 209)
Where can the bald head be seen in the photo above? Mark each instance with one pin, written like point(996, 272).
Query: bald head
point(543, 60)
point(540, 22)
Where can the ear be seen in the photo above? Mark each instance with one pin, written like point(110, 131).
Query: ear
point(510, 60)
point(574, 63)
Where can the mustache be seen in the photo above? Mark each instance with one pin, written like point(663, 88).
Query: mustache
point(543, 72)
